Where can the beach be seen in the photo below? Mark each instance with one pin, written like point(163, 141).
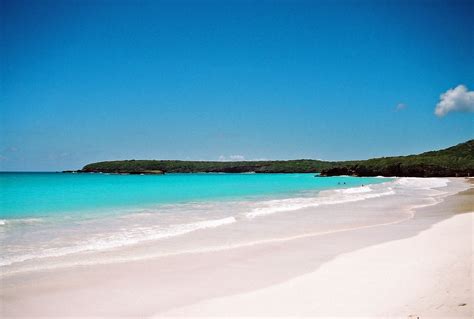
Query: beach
point(236, 159)
point(428, 275)
point(397, 249)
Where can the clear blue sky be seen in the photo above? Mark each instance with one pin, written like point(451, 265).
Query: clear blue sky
point(85, 81)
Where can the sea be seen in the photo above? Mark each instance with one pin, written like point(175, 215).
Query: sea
point(48, 219)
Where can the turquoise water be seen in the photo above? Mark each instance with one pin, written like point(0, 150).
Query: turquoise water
point(25, 195)
point(55, 215)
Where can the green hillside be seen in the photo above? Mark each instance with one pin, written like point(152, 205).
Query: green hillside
point(144, 166)
point(454, 161)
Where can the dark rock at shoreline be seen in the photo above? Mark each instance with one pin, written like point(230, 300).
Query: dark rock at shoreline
point(398, 170)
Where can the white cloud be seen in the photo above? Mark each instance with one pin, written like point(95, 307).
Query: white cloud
point(400, 106)
point(232, 158)
point(458, 99)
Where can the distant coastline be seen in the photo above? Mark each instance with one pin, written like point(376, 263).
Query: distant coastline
point(455, 161)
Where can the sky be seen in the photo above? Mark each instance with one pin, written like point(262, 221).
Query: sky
point(86, 81)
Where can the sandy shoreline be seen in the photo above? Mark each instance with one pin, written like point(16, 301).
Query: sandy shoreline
point(428, 275)
point(288, 277)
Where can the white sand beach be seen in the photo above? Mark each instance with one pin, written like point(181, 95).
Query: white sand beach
point(236, 159)
point(405, 257)
point(428, 275)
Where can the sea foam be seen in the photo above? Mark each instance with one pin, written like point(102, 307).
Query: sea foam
point(422, 183)
point(326, 198)
point(123, 238)
point(353, 194)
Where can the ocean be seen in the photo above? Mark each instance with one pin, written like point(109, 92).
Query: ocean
point(54, 215)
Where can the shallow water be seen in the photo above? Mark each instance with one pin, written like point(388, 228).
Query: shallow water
point(29, 195)
point(45, 215)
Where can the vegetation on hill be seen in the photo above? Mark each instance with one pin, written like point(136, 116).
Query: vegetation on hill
point(454, 161)
point(142, 166)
